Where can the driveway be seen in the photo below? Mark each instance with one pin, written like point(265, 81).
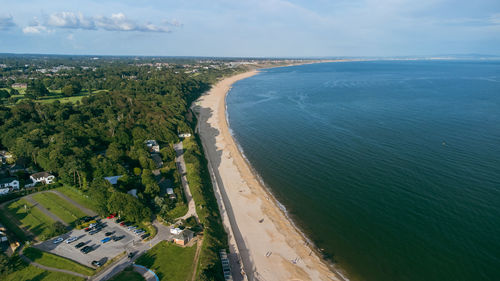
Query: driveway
point(181, 166)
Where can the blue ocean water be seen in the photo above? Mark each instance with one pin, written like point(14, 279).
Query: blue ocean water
point(391, 167)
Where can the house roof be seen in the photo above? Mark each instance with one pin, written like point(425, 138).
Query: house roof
point(186, 233)
point(7, 180)
point(41, 175)
point(113, 180)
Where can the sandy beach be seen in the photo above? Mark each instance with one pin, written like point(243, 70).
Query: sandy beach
point(260, 235)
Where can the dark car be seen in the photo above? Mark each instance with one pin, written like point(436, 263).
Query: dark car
point(144, 236)
point(79, 245)
point(96, 263)
point(119, 220)
point(86, 249)
point(131, 255)
point(118, 238)
point(109, 233)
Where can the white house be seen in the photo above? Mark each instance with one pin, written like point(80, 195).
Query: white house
point(43, 177)
point(9, 183)
point(153, 146)
point(184, 135)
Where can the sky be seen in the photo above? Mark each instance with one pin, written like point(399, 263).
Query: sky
point(251, 28)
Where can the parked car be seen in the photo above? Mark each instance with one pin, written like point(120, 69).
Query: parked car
point(132, 227)
point(118, 238)
point(86, 249)
point(94, 231)
point(79, 245)
point(105, 240)
point(87, 229)
point(96, 263)
point(72, 239)
point(111, 216)
point(93, 224)
point(119, 220)
point(144, 236)
point(109, 233)
point(131, 255)
point(140, 232)
point(58, 240)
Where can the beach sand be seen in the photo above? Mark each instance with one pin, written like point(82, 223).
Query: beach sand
point(260, 234)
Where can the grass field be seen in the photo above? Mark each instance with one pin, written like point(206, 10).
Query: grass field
point(32, 218)
point(59, 207)
point(169, 261)
point(11, 226)
point(61, 99)
point(78, 197)
point(128, 274)
point(34, 273)
point(54, 261)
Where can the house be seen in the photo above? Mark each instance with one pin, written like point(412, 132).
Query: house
point(19, 85)
point(175, 231)
point(42, 177)
point(153, 146)
point(133, 192)
point(170, 193)
point(184, 237)
point(10, 182)
point(184, 135)
point(113, 180)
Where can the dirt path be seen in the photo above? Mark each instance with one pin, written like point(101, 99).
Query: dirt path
point(87, 211)
point(197, 257)
point(30, 199)
point(26, 259)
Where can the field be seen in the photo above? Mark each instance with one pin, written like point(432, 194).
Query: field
point(34, 273)
point(59, 207)
point(169, 261)
point(32, 218)
point(78, 197)
point(128, 275)
point(61, 99)
point(54, 261)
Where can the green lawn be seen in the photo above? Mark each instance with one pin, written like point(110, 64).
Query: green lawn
point(169, 261)
point(34, 273)
point(78, 197)
point(128, 274)
point(59, 207)
point(32, 218)
point(11, 226)
point(51, 260)
point(61, 99)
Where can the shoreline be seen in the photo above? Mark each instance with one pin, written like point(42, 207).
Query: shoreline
point(261, 233)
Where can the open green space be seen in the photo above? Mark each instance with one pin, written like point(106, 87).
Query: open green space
point(128, 274)
point(55, 261)
point(78, 196)
point(31, 218)
point(59, 207)
point(12, 227)
point(61, 99)
point(34, 273)
point(169, 261)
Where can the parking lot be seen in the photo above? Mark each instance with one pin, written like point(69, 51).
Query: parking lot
point(100, 251)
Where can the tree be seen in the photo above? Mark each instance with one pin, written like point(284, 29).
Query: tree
point(72, 89)
point(37, 89)
point(4, 94)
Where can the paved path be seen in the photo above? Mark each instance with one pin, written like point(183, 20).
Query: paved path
point(162, 234)
point(87, 211)
point(181, 166)
point(26, 259)
point(30, 199)
point(148, 274)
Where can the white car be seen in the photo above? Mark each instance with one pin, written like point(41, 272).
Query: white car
point(69, 240)
point(58, 240)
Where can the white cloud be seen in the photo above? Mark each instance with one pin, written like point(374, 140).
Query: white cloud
point(116, 22)
point(35, 27)
point(6, 22)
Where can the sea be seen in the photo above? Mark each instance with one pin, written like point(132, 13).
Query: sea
point(391, 168)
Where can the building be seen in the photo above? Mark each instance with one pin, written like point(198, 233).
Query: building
point(42, 177)
point(170, 192)
point(153, 146)
point(184, 135)
point(10, 182)
point(20, 85)
point(113, 180)
point(184, 237)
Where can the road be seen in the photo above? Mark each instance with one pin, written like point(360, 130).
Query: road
point(181, 166)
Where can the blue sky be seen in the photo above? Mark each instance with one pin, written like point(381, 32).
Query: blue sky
point(262, 28)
